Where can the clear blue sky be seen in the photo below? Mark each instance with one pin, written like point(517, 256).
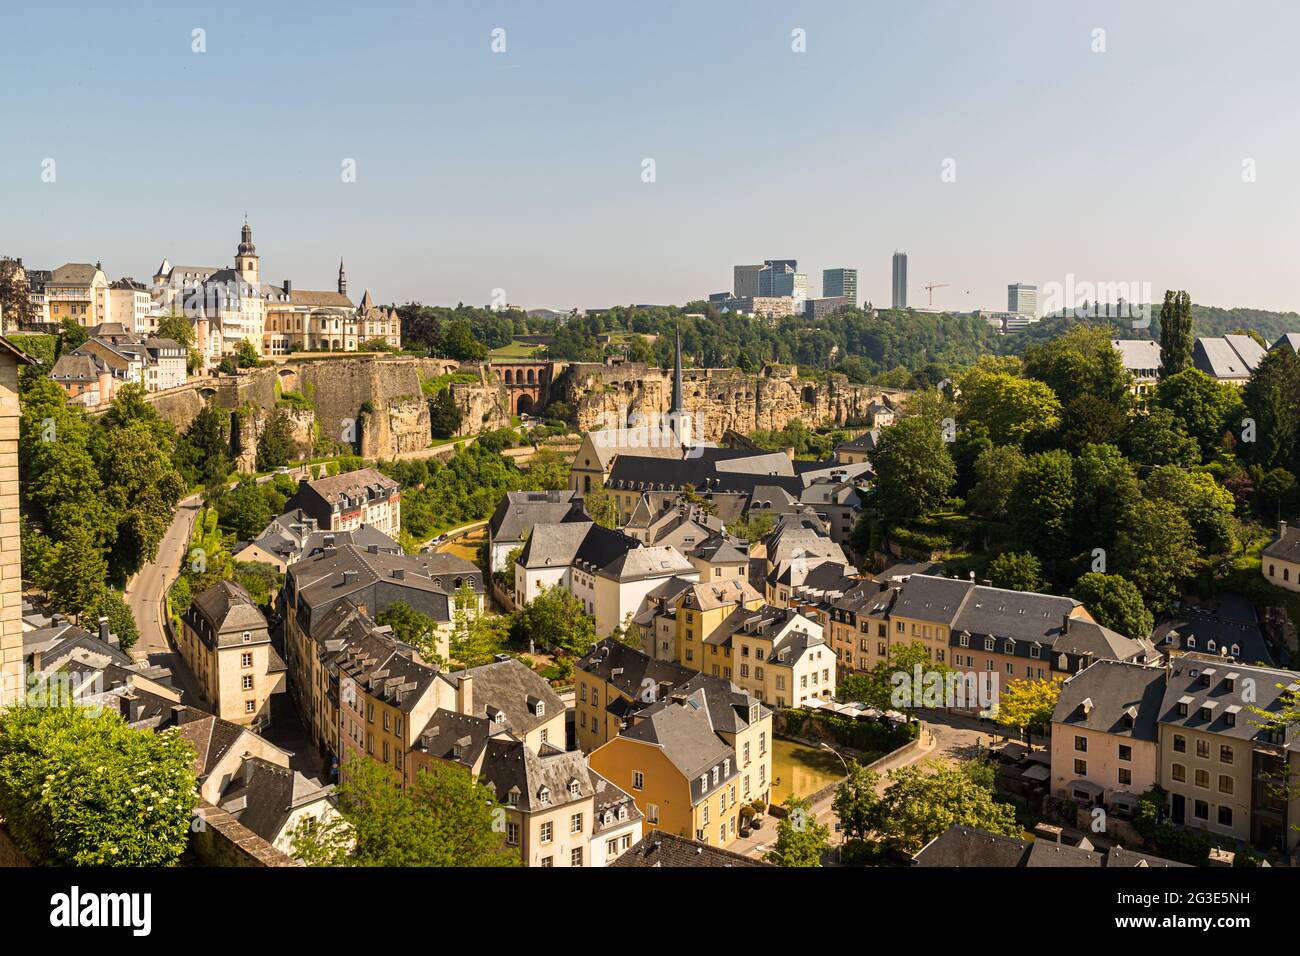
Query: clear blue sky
point(522, 170)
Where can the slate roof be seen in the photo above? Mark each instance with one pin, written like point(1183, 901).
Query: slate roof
point(609, 802)
point(1138, 355)
point(362, 484)
point(1229, 623)
point(557, 547)
point(518, 511)
point(636, 564)
point(685, 734)
point(1121, 699)
point(458, 737)
point(1203, 682)
point(1285, 546)
point(866, 442)
point(961, 846)
point(264, 795)
point(386, 668)
point(721, 549)
point(510, 765)
point(211, 737)
point(1290, 339)
point(1228, 357)
point(512, 688)
point(661, 849)
point(228, 608)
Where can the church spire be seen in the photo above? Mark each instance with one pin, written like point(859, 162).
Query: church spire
point(343, 279)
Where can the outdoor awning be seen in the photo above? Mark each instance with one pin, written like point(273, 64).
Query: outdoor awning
point(1087, 786)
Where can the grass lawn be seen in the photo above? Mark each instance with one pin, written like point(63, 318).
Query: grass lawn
point(515, 350)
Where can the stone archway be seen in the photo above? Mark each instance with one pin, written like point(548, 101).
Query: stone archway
point(524, 404)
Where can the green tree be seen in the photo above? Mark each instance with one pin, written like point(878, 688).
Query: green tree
point(203, 452)
point(1013, 409)
point(412, 627)
point(1027, 705)
point(444, 415)
point(914, 471)
point(444, 819)
point(1159, 438)
point(601, 507)
point(924, 800)
point(856, 799)
point(1016, 571)
point(555, 618)
point(121, 622)
point(800, 839)
point(78, 787)
point(1272, 397)
point(244, 510)
point(1104, 486)
point(74, 574)
point(142, 488)
point(276, 446)
point(1042, 503)
point(1175, 334)
point(1208, 507)
point(1114, 602)
point(996, 472)
point(1206, 407)
point(876, 687)
point(72, 336)
point(476, 637)
point(1156, 550)
point(246, 354)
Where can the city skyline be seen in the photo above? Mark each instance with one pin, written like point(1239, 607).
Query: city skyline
point(523, 170)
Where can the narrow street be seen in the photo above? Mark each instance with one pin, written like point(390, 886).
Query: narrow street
point(145, 592)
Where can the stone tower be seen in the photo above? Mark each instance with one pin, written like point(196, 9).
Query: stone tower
point(246, 261)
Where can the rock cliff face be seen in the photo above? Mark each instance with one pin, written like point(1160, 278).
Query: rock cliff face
point(377, 406)
point(718, 400)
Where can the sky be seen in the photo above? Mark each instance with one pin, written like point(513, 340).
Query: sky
point(994, 141)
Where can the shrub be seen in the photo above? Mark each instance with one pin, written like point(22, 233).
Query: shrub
point(81, 788)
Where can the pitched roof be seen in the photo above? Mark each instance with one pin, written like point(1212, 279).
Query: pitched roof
point(1138, 355)
point(538, 781)
point(227, 606)
point(519, 511)
point(264, 795)
point(1231, 356)
point(511, 688)
point(1214, 693)
point(962, 846)
point(359, 484)
point(1285, 545)
point(661, 849)
point(685, 734)
point(1113, 697)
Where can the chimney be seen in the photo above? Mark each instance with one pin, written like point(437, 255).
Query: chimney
point(465, 694)
point(1065, 624)
point(103, 629)
point(288, 287)
point(399, 574)
point(349, 577)
point(1281, 529)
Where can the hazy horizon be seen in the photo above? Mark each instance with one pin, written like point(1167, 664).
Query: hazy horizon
point(522, 170)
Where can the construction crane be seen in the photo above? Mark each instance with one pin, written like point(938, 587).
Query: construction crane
point(930, 289)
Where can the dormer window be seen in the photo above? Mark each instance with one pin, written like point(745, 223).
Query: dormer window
point(1011, 647)
point(1190, 643)
point(988, 643)
point(512, 797)
point(539, 709)
point(964, 640)
point(544, 795)
point(573, 788)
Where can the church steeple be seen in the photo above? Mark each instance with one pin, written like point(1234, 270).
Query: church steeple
point(246, 262)
point(343, 279)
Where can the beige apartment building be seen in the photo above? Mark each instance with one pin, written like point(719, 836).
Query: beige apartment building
point(1105, 735)
point(1280, 560)
point(226, 645)
point(11, 570)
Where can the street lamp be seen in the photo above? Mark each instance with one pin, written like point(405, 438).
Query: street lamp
point(826, 746)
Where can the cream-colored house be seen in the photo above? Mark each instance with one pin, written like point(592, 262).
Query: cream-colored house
point(1280, 560)
point(11, 573)
point(777, 654)
point(225, 643)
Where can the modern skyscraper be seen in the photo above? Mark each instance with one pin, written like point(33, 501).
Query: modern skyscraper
point(840, 283)
point(1022, 299)
point(900, 280)
point(780, 277)
point(745, 281)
